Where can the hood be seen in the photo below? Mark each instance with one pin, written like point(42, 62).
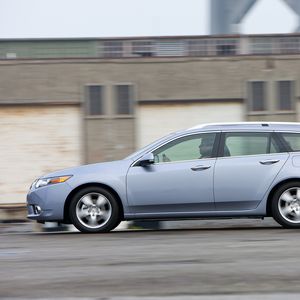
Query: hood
point(91, 168)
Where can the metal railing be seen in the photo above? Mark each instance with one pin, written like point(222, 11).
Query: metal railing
point(205, 46)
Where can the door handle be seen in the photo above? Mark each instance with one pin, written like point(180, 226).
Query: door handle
point(269, 161)
point(200, 168)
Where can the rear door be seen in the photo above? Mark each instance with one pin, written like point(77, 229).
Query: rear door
point(248, 163)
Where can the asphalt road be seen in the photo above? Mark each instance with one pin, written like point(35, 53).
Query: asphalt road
point(219, 257)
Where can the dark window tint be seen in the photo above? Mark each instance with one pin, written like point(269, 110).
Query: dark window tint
point(284, 94)
point(249, 143)
point(123, 99)
point(257, 96)
point(186, 148)
point(95, 100)
point(292, 140)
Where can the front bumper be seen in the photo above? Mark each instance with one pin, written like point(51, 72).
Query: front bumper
point(47, 203)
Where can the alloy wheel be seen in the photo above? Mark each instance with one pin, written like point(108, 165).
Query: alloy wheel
point(93, 210)
point(289, 205)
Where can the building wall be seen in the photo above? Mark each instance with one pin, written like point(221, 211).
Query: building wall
point(161, 119)
point(222, 79)
point(170, 94)
point(36, 140)
point(108, 139)
point(154, 78)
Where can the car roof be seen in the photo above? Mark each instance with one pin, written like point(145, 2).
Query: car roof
point(263, 126)
point(256, 126)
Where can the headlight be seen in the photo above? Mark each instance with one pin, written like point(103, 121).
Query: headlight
point(51, 180)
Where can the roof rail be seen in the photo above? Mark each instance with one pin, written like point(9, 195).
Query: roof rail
point(263, 124)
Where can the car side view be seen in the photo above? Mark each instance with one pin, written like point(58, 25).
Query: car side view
point(208, 171)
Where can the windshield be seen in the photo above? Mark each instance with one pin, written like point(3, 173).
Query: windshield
point(140, 151)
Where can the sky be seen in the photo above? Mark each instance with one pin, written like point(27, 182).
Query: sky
point(118, 18)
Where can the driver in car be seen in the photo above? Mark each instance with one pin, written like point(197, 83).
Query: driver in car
point(205, 147)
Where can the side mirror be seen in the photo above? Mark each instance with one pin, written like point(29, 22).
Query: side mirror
point(146, 160)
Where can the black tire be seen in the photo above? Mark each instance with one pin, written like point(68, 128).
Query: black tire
point(276, 213)
point(81, 224)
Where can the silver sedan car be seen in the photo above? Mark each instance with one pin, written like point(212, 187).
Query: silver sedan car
point(209, 171)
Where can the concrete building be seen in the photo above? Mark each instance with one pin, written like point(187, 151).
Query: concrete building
point(69, 102)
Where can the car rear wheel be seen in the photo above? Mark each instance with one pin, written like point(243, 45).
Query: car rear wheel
point(94, 209)
point(286, 205)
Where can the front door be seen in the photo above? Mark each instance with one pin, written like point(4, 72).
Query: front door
point(180, 180)
point(248, 164)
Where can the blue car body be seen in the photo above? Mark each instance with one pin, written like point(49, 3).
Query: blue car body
point(217, 186)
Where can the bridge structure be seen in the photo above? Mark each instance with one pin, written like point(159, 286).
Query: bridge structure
point(226, 15)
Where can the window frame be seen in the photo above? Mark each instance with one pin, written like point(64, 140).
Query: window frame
point(293, 100)
point(142, 48)
point(214, 151)
point(109, 48)
point(249, 93)
point(132, 91)
point(272, 134)
point(87, 103)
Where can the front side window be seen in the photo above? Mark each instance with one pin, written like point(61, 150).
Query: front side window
point(292, 140)
point(186, 148)
point(249, 143)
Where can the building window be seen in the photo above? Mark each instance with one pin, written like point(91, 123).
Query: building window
point(226, 47)
point(261, 45)
point(123, 99)
point(198, 47)
point(142, 48)
point(95, 100)
point(285, 95)
point(170, 48)
point(113, 49)
point(257, 96)
point(289, 45)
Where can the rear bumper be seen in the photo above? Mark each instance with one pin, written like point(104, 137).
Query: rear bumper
point(47, 203)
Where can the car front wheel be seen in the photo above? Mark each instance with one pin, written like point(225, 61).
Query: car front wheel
point(286, 205)
point(94, 209)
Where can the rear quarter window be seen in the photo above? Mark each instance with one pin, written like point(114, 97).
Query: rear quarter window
point(292, 140)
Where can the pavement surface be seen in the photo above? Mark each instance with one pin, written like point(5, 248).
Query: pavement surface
point(232, 259)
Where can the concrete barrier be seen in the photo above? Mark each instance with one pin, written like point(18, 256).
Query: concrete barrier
point(13, 212)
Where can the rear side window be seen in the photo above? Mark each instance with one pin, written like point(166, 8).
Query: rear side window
point(292, 140)
point(249, 143)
